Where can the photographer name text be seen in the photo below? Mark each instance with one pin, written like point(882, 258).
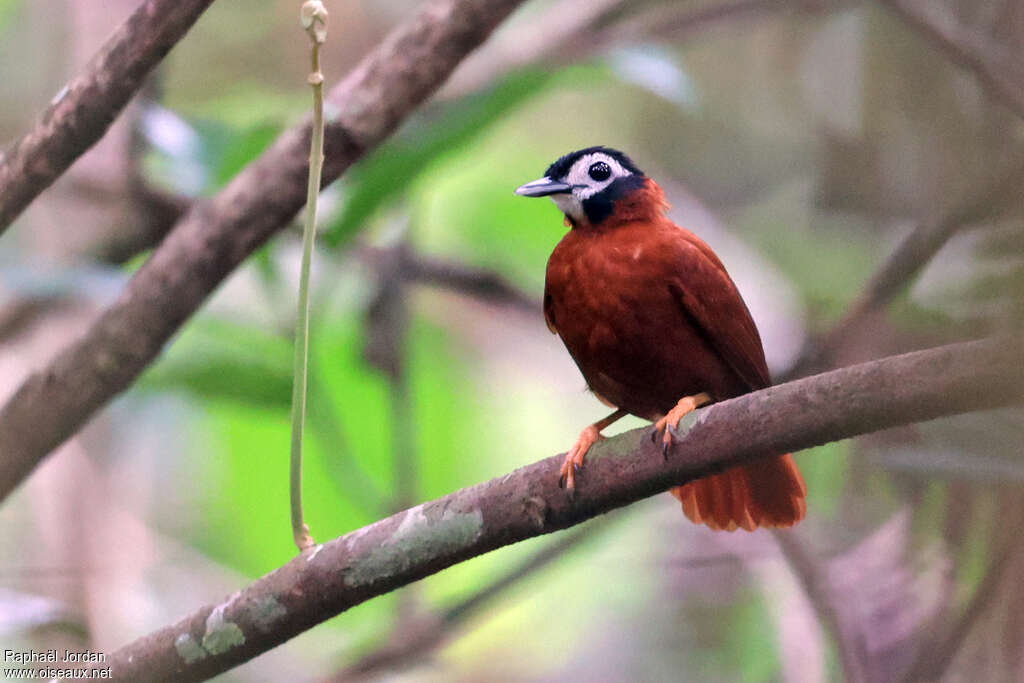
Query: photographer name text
point(54, 655)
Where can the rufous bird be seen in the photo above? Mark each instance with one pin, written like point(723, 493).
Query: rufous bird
point(658, 329)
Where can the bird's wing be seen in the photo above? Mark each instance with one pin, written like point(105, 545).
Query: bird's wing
point(712, 304)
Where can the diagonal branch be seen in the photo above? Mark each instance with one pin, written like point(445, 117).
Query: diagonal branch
point(83, 110)
point(1003, 78)
point(527, 502)
point(568, 30)
point(908, 259)
point(936, 655)
point(849, 646)
point(904, 264)
point(677, 21)
point(215, 236)
point(1004, 81)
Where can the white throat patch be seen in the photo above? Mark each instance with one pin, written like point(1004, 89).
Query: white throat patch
point(569, 205)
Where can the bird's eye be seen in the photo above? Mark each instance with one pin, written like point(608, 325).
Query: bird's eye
point(600, 171)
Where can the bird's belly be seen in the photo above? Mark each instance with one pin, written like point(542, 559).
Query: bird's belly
point(640, 355)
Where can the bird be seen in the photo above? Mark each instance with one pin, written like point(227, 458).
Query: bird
point(658, 329)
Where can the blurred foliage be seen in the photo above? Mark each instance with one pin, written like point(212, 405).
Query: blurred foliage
point(247, 390)
point(422, 145)
point(207, 361)
point(816, 139)
point(827, 257)
point(7, 8)
point(232, 149)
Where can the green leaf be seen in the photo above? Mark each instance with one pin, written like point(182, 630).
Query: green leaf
point(240, 148)
point(245, 434)
point(218, 361)
point(390, 170)
point(473, 216)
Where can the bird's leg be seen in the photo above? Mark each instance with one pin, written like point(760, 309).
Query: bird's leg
point(574, 458)
point(686, 405)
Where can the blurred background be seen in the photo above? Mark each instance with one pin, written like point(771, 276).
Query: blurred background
point(805, 140)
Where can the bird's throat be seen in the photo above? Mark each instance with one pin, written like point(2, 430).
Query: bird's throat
point(570, 206)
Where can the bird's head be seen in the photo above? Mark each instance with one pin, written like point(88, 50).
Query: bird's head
point(589, 185)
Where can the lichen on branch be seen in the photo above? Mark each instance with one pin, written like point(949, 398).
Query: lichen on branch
point(525, 503)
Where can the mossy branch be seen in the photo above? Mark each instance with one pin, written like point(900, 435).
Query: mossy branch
point(415, 543)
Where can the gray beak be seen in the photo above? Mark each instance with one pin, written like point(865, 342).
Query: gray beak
point(543, 188)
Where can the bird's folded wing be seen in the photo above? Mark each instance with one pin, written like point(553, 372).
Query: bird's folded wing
point(711, 303)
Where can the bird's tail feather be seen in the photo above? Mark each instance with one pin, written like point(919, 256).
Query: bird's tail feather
point(769, 492)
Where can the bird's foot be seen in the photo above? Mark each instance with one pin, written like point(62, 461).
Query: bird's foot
point(574, 458)
point(686, 405)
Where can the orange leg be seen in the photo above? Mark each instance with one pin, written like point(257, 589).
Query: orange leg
point(686, 405)
point(574, 458)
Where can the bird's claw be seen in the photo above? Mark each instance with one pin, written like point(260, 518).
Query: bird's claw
point(573, 462)
point(667, 425)
point(663, 428)
point(570, 468)
point(564, 479)
point(667, 438)
point(667, 433)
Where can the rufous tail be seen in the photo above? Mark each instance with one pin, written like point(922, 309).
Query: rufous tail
point(769, 492)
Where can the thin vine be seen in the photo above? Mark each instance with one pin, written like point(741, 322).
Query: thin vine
point(314, 20)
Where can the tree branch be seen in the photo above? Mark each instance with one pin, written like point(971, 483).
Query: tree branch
point(570, 32)
point(904, 264)
point(411, 645)
point(1004, 82)
point(1002, 78)
point(937, 654)
point(819, 353)
point(672, 21)
point(215, 236)
point(527, 502)
point(848, 644)
point(483, 284)
point(83, 110)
